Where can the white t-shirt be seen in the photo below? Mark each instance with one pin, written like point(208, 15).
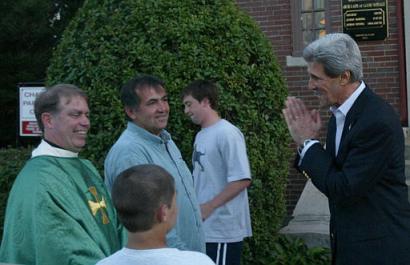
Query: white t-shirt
point(219, 157)
point(158, 256)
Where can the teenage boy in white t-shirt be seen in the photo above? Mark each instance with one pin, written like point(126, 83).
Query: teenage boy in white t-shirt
point(144, 197)
point(221, 175)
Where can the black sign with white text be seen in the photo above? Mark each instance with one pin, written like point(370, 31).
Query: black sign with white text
point(365, 19)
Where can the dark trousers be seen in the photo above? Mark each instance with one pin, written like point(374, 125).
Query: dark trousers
point(225, 253)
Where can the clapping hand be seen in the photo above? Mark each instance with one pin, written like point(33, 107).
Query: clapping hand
point(302, 123)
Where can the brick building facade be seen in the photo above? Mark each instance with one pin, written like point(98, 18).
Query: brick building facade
point(383, 60)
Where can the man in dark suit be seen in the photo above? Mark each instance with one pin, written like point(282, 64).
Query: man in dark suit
point(361, 170)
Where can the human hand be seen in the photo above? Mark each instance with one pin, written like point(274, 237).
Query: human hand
point(302, 123)
point(206, 210)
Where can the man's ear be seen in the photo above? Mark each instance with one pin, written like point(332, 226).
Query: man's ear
point(345, 78)
point(47, 120)
point(130, 112)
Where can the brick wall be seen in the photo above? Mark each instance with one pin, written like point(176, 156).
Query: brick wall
point(380, 61)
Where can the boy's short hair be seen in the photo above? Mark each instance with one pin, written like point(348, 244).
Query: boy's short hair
point(137, 194)
point(201, 89)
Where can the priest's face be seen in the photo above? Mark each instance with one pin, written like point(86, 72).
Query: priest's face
point(68, 127)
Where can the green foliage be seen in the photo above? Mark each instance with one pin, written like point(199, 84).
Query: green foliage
point(29, 31)
point(288, 251)
point(12, 161)
point(111, 41)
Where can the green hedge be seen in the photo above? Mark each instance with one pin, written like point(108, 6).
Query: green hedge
point(111, 41)
point(293, 251)
point(12, 161)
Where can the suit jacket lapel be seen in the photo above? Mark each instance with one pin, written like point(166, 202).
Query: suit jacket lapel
point(353, 115)
point(331, 135)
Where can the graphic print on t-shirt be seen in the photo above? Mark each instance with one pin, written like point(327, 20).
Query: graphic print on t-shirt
point(196, 157)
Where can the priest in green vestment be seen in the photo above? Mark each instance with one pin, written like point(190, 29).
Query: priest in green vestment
point(58, 210)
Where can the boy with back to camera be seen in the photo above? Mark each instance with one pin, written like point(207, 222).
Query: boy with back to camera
point(149, 220)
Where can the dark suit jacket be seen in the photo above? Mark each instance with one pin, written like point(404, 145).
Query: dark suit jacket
point(365, 185)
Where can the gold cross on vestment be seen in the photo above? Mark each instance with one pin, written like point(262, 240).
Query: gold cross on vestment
point(98, 205)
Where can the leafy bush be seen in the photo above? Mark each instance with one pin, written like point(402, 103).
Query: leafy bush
point(12, 161)
point(293, 251)
point(111, 41)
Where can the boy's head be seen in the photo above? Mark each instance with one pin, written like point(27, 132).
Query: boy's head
point(144, 196)
point(200, 90)
point(200, 99)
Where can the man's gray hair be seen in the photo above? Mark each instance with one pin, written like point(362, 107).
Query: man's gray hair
point(337, 52)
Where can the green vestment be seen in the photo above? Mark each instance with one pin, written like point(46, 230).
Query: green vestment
point(59, 212)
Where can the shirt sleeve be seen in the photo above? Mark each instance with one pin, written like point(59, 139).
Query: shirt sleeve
point(233, 150)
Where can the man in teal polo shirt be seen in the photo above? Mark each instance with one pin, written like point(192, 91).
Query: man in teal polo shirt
point(145, 141)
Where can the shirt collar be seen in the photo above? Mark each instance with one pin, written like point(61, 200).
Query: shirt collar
point(347, 105)
point(45, 148)
point(163, 137)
